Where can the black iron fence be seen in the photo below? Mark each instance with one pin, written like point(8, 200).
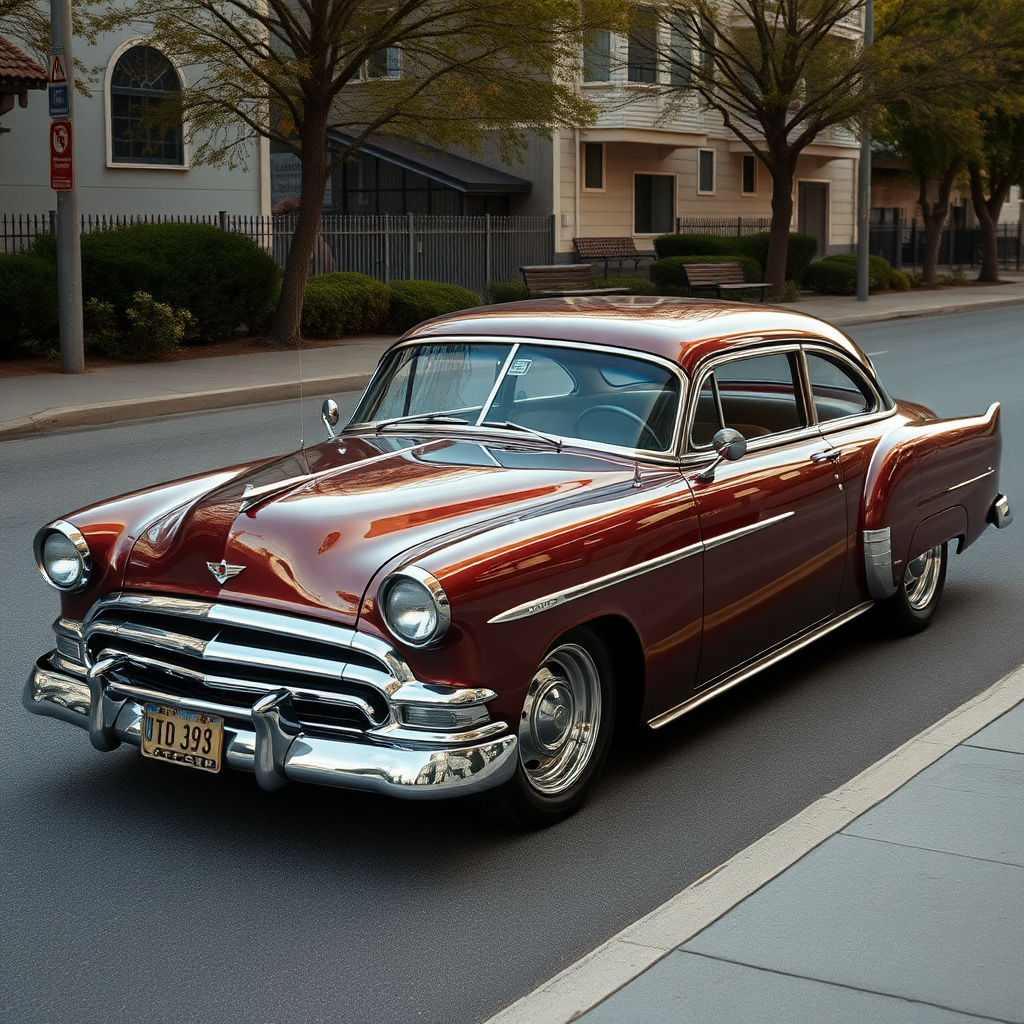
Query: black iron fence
point(903, 244)
point(467, 251)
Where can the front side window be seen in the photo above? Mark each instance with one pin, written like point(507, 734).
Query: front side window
point(756, 395)
point(143, 78)
point(654, 203)
point(571, 393)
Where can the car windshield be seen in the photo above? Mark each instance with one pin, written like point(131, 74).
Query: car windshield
point(572, 393)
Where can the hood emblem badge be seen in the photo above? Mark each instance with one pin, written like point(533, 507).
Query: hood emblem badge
point(222, 572)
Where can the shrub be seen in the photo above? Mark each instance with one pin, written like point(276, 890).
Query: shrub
point(154, 329)
point(506, 291)
point(837, 275)
point(915, 279)
point(636, 285)
point(344, 303)
point(899, 281)
point(28, 300)
point(956, 276)
point(790, 292)
point(799, 253)
point(414, 301)
point(223, 279)
point(667, 274)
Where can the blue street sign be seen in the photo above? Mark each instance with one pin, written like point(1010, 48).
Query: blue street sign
point(58, 100)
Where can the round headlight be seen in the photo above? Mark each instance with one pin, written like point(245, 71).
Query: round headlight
point(62, 556)
point(415, 606)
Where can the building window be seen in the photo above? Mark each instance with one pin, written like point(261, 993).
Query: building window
point(642, 51)
point(654, 204)
point(706, 172)
point(142, 79)
point(749, 174)
point(386, 63)
point(680, 54)
point(597, 57)
point(593, 166)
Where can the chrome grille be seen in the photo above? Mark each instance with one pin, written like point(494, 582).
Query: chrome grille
point(339, 679)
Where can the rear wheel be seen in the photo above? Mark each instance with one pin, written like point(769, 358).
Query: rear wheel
point(917, 597)
point(564, 732)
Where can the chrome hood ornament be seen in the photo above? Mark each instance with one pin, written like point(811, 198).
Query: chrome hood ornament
point(222, 571)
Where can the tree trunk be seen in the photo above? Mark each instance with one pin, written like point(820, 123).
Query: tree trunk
point(934, 214)
point(287, 326)
point(782, 219)
point(987, 212)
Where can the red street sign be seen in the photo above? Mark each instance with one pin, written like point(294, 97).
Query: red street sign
point(62, 178)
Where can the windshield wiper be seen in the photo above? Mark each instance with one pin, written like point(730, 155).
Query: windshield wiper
point(456, 421)
point(509, 425)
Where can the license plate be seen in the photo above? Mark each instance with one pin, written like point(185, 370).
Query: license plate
point(183, 737)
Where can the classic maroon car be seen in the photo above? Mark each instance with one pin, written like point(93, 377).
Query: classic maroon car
point(543, 519)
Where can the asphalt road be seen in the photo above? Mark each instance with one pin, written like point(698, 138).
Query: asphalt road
point(133, 890)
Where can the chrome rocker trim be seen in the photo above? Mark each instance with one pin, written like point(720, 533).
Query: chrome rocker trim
point(276, 749)
point(758, 665)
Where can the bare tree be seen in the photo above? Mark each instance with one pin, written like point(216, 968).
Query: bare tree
point(444, 71)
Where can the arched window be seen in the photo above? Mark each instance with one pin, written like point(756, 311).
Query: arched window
point(142, 79)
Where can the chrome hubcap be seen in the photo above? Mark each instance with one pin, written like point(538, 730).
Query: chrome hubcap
point(560, 721)
point(921, 579)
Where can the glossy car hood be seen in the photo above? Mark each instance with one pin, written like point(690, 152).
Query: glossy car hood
point(311, 529)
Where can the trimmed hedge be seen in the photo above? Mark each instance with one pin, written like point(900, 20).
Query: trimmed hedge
point(28, 299)
point(799, 253)
point(344, 303)
point(837, 275)
point(224, 280)
point(667, 273)
point(506, 291)
point(414, 301)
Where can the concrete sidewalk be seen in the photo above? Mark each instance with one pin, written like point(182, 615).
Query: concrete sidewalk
point(49, 401)
point(898, 898)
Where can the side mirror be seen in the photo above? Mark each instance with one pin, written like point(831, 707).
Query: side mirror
point(730, 445)
point(329, 414)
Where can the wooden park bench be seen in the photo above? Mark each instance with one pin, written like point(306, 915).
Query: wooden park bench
point(607, 249)
point(718, 278)
point(564, 279)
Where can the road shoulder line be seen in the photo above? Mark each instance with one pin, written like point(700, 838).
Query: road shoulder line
point(628, 954)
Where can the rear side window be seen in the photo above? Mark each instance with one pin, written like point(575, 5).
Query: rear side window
point(837, 389)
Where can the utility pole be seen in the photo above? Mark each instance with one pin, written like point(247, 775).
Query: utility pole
point(864, 176)
point(62, 181)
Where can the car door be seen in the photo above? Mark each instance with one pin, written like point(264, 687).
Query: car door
point(773, 523)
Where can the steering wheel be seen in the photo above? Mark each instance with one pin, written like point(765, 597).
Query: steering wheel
point(629, 415)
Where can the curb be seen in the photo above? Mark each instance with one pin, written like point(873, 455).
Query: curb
point(625, 956)
point(168, 405)
point(904, 314)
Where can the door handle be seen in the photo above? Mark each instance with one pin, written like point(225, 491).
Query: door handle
point(830, 456)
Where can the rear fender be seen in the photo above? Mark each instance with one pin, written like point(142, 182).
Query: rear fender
point(929, 481)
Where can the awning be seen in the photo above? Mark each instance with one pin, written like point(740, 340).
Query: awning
point(446, 168)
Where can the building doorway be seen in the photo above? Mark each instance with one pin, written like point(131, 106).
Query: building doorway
point(812, 212)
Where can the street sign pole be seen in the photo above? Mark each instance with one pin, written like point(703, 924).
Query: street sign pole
point(69, 252)
point(864, 177)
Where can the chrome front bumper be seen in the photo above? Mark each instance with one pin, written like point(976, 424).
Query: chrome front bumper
point(277, 750)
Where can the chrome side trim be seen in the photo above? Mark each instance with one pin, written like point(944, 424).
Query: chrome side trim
point(560, 597)
point(765, 661)
point(973, 480)
point(878, 563)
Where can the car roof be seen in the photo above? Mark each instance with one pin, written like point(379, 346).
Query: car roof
point(684, 331)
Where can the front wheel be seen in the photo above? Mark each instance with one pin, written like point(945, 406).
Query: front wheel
point(564, 732)
point(917, 597)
